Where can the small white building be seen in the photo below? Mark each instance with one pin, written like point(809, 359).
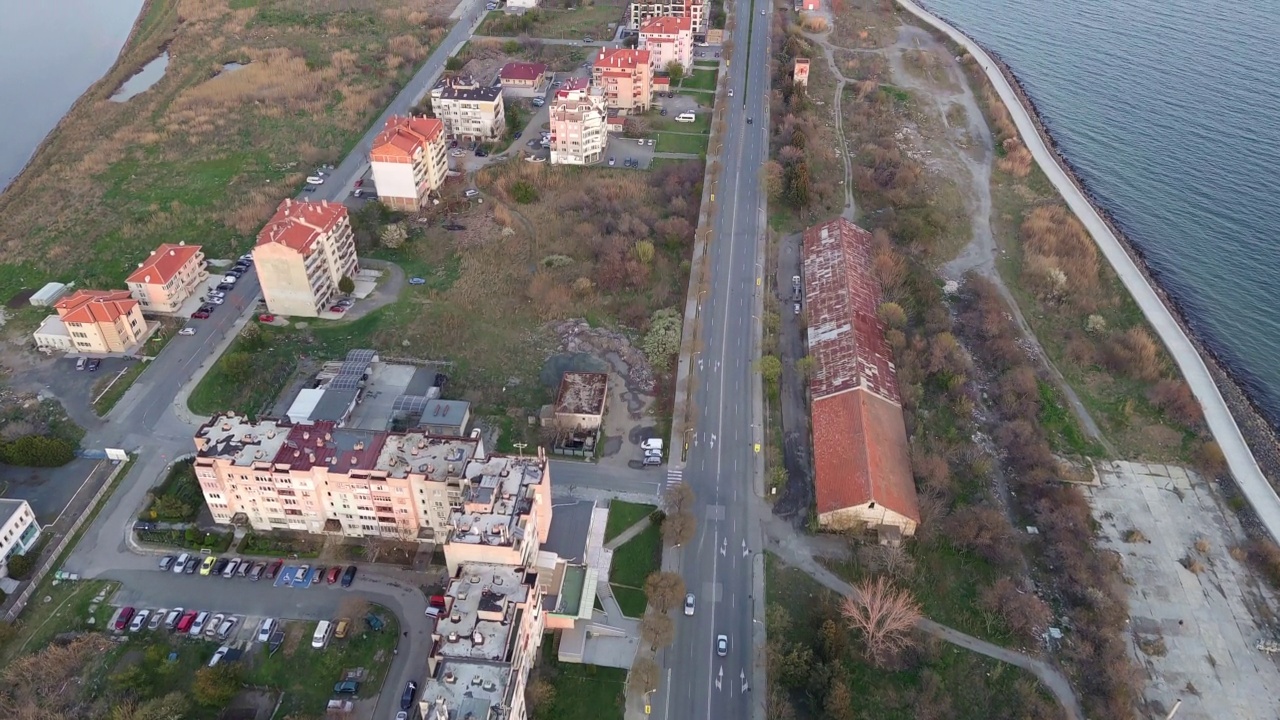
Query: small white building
point(49, 294)
point(53, 336)
point(19, 531)
point(521, 4)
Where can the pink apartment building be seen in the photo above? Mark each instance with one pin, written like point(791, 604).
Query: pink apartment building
point(408, 161)
point(668, 39)
point(579, 130)
point(694, 10)
point(625, 77)
point(168, 276)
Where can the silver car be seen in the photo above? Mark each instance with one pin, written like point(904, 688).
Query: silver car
point(688, 604)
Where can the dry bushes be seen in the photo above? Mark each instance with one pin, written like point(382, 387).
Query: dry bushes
point(36, 685)
point(1134, 353)
point(1025, 614)
point(1016, 159)
point(1060, 260)
point(276, 77)
point(814, 23)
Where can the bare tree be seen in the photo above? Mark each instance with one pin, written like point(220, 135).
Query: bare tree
point(657, 629)
point(891, 560)
point(643, 677)
point(679, 528)
point(1025, 614)
point(884, 616)
point(678, 499)
point(664, 589)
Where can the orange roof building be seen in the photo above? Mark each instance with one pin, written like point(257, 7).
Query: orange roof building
point(669, 39)
point(102, 321)
point(170, 275)
point(302, 254)
point(625, 77)
point(862, 467)
point(409, 161)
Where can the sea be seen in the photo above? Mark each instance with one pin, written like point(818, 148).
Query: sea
point(1169, 111)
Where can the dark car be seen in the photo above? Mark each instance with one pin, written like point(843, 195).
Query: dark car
point(748, 121)
point(406, 699)
point(226, 287)
point(346, 687)
point(219, 566)
point(349, 576)
point(192, 565)
point(335, 572)
point(144, 527)
point(94, 363)
point(274, 569)
point(200, 315)
point(126, 614)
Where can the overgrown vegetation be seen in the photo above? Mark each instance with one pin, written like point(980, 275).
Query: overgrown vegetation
point(178, 498)
point(570, 691)
point(37, 451)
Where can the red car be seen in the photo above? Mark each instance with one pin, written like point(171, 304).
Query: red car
point(274, 569)
point(200, 315)
point(266, 318)
point(335, 572)
point(126, 614)
point(337, 309)
point(360, 182)
point(185, 622)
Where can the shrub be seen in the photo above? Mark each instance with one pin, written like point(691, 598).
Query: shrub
point(37, 451)
point(21, 566)
point(523, 192)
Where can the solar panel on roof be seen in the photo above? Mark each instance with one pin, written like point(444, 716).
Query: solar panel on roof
point(409, 405)
point(360, 355)
point(345, 382)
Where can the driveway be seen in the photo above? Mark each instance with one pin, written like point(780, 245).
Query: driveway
point(797, 454)
point(387, 291)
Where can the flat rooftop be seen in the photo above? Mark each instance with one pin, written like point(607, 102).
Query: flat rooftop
point(480, 611)
point(497, 492)
point(464, 690)
point(582, 393)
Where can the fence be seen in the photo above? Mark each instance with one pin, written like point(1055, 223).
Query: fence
point(21, 601)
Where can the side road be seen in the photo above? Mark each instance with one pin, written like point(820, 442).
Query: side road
point(1244, 468)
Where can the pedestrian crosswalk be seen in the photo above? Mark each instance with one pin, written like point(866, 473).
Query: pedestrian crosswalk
point(675, 476)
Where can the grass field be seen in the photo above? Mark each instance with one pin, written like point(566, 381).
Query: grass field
point(307, 675)
point(584, 21)
point(582, 692)
point(677, 143)
point(633, 562)
point(700, 79)
point(623, 515)
point(667, 123)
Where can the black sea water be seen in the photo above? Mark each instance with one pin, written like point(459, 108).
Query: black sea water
point(1170, 112)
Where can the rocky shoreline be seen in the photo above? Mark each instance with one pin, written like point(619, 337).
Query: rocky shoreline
point(1258, 433)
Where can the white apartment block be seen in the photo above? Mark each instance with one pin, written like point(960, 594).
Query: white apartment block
point(579, 124)
point(468, 110)
point(668, 39)
point(302, 254)
point(19, 531)
point(695, 10)
point(408, 161)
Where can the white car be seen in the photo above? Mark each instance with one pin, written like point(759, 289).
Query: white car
point(722, 645)
point(216, 300)
point(197, 627)
point(214, 623)
point(652, 444)
point(730, 92)
point(302, 573)
point(187, 331)
point(315, 180)
point(688, 604)
point(219, 654)
point(264, 631)
point(180, 563)
point(139, 620)
point(230, 572)
point(216, 293)
point(229, 279)
point(157, 617)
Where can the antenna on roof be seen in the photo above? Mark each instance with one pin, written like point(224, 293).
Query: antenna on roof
point(520, 448)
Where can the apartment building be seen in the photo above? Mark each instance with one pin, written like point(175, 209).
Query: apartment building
point(19, 531)
point(669, 39)
point(504, 513)
point(94, 321)
point(522, 75)
point(170, 275)
point(302, 254)
point(625, 77)
point(488, 627)
point(469, 110)
point(695, 10)
point(409, 161)
point(579, 129)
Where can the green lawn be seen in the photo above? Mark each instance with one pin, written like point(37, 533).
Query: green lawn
point(633, 601)
point(700, 79)
point(583, 692)
point(623, 515)
point(635, 559)
point(675, 143)
point(67, 610)
point(667, 123)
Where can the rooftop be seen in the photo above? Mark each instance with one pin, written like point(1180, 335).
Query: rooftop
point(666, 25)
point(8, 508)
point(861, 454)
point(498, 492)
point(582, 393)
point(522, 71)
point(95, 306)
point(621, 59)
point(480, 611)
point(573, 85)
point(842, 294)
point(567, 536)
point(163, 264)
point(298, 224)
point(465, 88)
point(405, 136)
point(464, 690)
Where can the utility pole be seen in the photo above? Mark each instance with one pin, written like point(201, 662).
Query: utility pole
point(520, 448)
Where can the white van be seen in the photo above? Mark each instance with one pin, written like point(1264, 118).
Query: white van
point(264, 630)
point(686, 116)
point(321, 635)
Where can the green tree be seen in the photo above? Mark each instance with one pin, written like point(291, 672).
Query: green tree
point(770, 369)
point(346, 285)
point(893, 315)
point(676, 71)
point(805, 366)
point(170, 507)
point(37, 451)
point(21, 566)
point(524, 192)
point(215, 686)
point(644, 251)
point(662, 341)
point(796, 184)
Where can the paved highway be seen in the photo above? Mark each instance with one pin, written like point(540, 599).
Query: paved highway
point(721, 464)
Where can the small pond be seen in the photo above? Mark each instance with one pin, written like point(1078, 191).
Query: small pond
point(149, 75)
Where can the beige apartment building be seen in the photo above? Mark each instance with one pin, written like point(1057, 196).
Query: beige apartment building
point(625, 78)
point(669, 39)
point(579, 124)
point(170, 275)
point(469, 110)
point(97, 321)
point(19, 531)
point(694, 10)
point(321, 478)
point(302, 254)
point(409, 162)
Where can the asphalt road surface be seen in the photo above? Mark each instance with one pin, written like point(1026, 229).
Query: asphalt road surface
point(717, 565)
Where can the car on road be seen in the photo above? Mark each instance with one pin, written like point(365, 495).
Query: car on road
point(157, 617)
point(197, 625)
point(730, 92)
point(171, 620)
point(231, 568)
point(301, 575)
point(219, 654)
point(184, 622)
point(315, 180)
point(588, 39)
point(611, 161)
point(406, 698)
point(335, 572)
point(688, 604)
point(206, 567)
point(178, 563)
point(166, 562)
point(139, 620)
point(226, 286)
point(200, 315)
point(518, 134)
point(795, 308)
point(122, 620)
point(402, 715)
point(649, 141)
point(81, 363)
point(219, 566)
point(748, 121)
point(264, 630)
point(274, 569)
point(93, 364)
point(187, 331)
point(722, 645)
point(346, 687)
point(539, 102)
point(349, 576)
point(247, 257)
point(215, 622)
point(258, 568)
point(266, 318)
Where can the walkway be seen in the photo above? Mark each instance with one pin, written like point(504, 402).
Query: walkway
point(1244, 468)
point(629, 533)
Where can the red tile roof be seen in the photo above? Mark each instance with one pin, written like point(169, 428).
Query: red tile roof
point(163, 264)
point(573, 85)
point(298, 224)
point(307, 446)
point(842, 294)
point(860, 454)
point(402, 136)
point(666, 25)
point(522, 71)
point(621, 59)
point(95, 306)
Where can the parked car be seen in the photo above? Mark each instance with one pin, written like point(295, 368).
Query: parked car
point(315, 180)
point(340, 631)
point(610, 162)
point(651, 444)
point(215, 622)
point(179, 562)
point(200, 315)
point(224, 629)
point(219, 654)
point(184, 622)
point(274, 569)
point(166, 562)
point(245, 567)
point(264, 630)
point(197, 625)
point(206, 567)
point(335, 572)
point(653, 453)
point(258, 568)
point(226, 287)
point(266, 318)
point(191, 566)
point(346, 687)
point(93, 364)
point(139, 620)
point(795, 308)
point(187, 331)
point(349, 576)
point(228, 280)
point(171, 620)
point(157, 617)
point(215, 300)
point(81, 363)
point(406, 698)
point(417, 281)
point(470, 192)
point(231, 568)
point(301, 575)
point(247, 257)
point(337, 309)
point(219, 566)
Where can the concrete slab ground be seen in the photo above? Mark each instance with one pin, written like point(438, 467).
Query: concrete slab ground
point(1194, 630)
